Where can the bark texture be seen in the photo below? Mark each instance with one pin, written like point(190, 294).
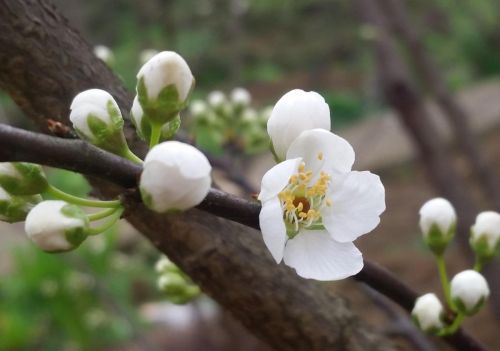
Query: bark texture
point(43, 65)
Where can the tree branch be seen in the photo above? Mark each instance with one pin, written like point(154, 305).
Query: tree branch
point(20, 145)
point(43, 65)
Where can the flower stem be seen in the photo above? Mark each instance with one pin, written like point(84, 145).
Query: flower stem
point(114, 218)
point(129, 155)
point(155, 135)
point(61, 195)
point(457, 322)
point(102, 214)
point(444, 280)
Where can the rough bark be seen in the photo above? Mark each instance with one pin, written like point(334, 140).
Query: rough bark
point(43, 64)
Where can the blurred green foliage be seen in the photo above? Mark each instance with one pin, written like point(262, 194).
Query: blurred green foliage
point(82, 299)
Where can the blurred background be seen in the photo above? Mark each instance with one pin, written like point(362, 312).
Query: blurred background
point(414, 86)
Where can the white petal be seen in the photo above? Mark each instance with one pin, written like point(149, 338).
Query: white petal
point(358, 199)
point(195, 194)
point(315, 255)
point(97, 97)
point(191, 162)
point(273, 228)
point(277, 178)
point(336, 153)
point(295, 112)
point(79, 117)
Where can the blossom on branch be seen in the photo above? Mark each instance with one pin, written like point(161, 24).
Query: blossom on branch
point(314, 207)
point(485, 235)
point(56, 226)
point(469, 291)
point(438, 221)
point(428, 312)
point(295, 112)
point(176, 176)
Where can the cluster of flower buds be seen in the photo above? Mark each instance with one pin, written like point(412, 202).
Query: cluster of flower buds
point(20, 188)
point(53, 225)
point(468, 290)
point(219, 121)
point(175, 284)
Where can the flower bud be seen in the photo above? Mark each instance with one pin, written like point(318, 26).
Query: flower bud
point(56, 226)
point(21, 178)
point(241, 96)
point(96, 118)
point(427, 313)
point(468, 291)
point(15, 208)
point(164, 83)
point(216, 98)
point(105, 54)
point(197, 108)
point(176, 176)
point(178, 288)
point(438, 223)
point(294, 113)
point(485, 235)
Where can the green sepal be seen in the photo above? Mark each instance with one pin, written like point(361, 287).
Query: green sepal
point(75, 235)
point(31, 180)
point(147, 198)
point(437, 241)
point(469, 312)
point(169, 129)
point(165, 107)
point(106, 136)
point(482, 248)
point(17, 208)
point(431, 330)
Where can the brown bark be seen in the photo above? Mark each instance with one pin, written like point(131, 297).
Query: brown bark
point(43, 64)
point(435, 84)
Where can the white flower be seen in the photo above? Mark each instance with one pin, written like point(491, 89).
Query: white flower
point(22, 178)
point(241, 96)
point(294, 113)
point(438, 212)
point(427, 312)
point(96, 117)
point(176, 176)
point(104, 53)
point(216, 98)
point(56, 226)
point(146, 55)
point(485, 233)
point(164, 69)
point(314, 206)
point(469, 290)
point(197, 107)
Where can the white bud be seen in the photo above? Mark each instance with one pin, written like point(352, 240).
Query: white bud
point(104, 53)
point(163, 264)
point(427, 312)
point(486, 229)
point(294, 113)
point(437, 212)
point(96, 117)
point(241, 96)
point(22, 178)
point(176, 176)
point(197, 107)
point(216, 98)
point(15, 208)
point(164, 69)
point(136, 115)
point(469, 290)
point(146, 55)
point(56, 226)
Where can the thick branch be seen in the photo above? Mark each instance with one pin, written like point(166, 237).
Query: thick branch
point(20, 145)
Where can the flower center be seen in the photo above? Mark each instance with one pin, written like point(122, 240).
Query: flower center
point(302, 200)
